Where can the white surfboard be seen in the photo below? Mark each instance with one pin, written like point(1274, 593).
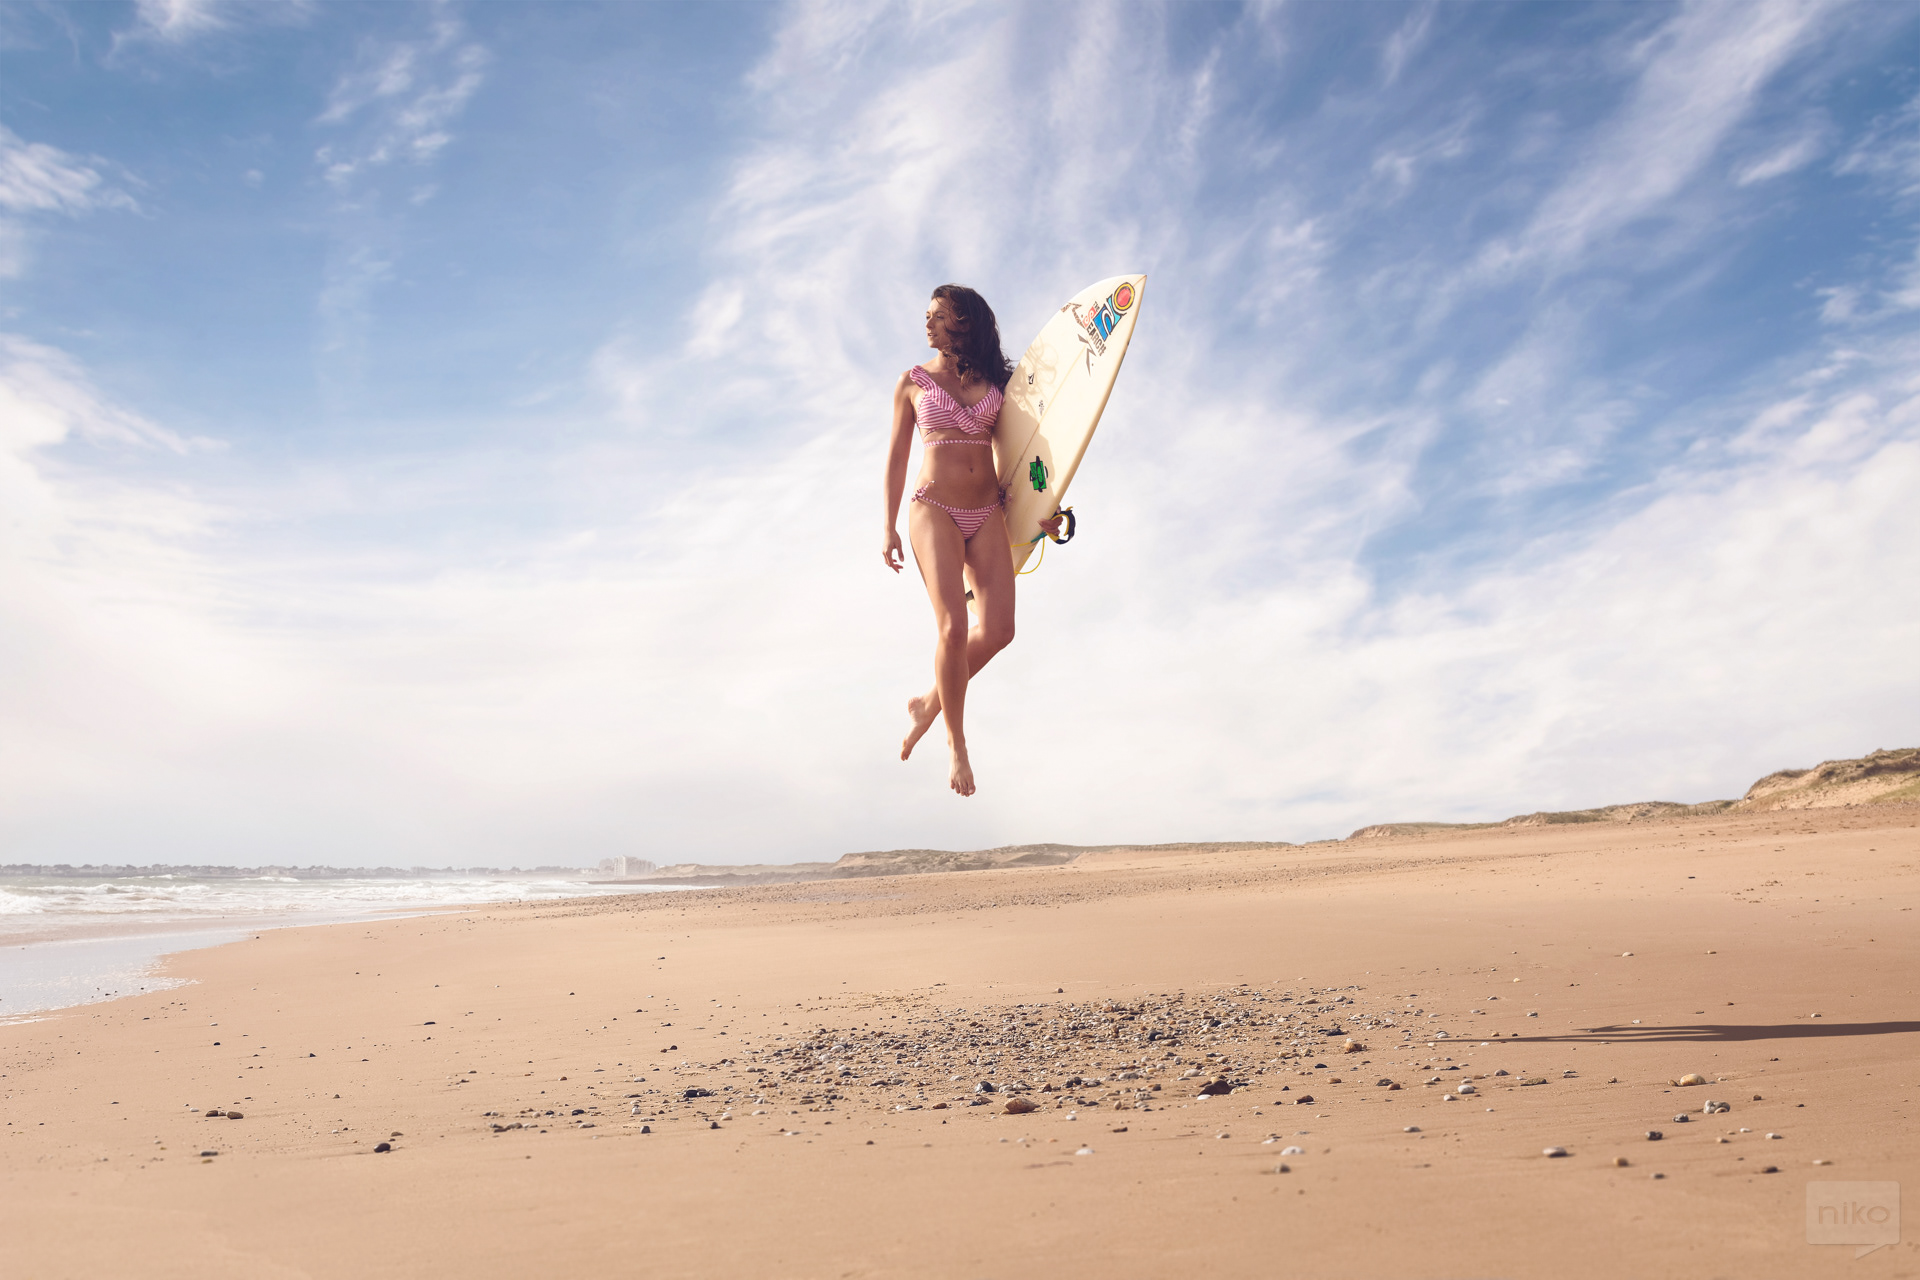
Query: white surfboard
point(1054, 401)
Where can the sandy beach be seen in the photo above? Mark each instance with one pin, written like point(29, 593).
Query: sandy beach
point(536, 1072)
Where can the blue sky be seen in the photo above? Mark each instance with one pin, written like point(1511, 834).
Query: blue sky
point(450, 434)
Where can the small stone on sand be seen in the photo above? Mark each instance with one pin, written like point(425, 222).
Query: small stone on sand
point(1554, 1153)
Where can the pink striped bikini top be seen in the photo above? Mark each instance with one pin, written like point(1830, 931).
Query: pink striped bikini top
point(948, 414)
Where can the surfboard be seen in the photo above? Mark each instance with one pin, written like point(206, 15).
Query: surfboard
point(1054, 401)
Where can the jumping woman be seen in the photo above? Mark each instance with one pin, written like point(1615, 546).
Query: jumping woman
point(954, 520)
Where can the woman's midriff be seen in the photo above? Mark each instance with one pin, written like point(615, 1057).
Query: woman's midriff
point(966, 480)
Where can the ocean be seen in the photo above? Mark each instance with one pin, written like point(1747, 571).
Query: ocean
point(70, 940)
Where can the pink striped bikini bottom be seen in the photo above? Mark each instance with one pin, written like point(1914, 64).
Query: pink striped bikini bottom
point(968, 520)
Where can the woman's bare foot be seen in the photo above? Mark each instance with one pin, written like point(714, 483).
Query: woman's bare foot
point(922, 712)
point(961, 776)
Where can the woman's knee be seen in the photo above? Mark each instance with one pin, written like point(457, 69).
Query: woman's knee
point(998, 633)
point(953, 631)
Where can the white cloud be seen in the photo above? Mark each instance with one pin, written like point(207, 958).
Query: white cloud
point(395, 109)
point(1701, 73)
point(1407, 39)
point(178, 20)
point(1890, 151)
point(39, 179)
point(413, 90)
point(1783, 160)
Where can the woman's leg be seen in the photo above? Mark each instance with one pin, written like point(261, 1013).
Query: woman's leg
point(941, 553)
point(991, 561)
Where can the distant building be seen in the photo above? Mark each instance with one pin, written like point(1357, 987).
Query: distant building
point(624, 867)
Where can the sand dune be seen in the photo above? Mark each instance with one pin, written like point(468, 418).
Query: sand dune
point(1884, 777)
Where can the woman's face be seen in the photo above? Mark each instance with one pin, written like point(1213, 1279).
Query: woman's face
point(943, 326)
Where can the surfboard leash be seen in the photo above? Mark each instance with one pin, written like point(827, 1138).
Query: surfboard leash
point(1043, 534)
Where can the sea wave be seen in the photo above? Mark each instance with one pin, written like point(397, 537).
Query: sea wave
point(186, 899)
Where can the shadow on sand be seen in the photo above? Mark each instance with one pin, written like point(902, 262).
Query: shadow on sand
point(1716, 1033)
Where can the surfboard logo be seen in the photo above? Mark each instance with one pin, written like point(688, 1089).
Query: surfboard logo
point(1098, 322)
point(1037, 474)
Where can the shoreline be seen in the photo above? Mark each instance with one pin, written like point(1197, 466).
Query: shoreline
point(792, 1051)
point(62, 960)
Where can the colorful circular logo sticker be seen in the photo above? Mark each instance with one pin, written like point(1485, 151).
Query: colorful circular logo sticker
point(1123, 297)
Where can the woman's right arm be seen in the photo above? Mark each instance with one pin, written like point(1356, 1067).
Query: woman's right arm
point(899, 447)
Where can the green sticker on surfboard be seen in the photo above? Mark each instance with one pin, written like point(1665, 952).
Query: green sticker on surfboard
point(1037, 474)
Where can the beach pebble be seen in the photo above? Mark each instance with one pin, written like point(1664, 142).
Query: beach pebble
point(1215, 1088)
point(208, 1155)
point(1823, 1162)
point(1654, 1135)
point(1619, 1162)
point(1656, 1176)
point(1716, 1108)
point(986, 1086)
point(1772, 1168)
point(1020, 1106)
point(1303, 1099)
point(1353, 1046)
point(1554, 1153)
point(1466, 1088)
point(1689, 1079)
point(1084, 1151)
point(1293, 1151)
point(646, 1128)
point(1682, 1118)
point(1281, 1168)
point(382, 1148)
point(1223, 1135)
point(1774, 1135)
point(1412, 1128)
point(235, 1115)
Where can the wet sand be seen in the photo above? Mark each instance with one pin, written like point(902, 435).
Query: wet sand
point(835, 1036)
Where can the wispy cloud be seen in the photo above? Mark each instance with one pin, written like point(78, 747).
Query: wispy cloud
point(394, 110)
point(39, 179)
point(1699, 76)
point(406, 96)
